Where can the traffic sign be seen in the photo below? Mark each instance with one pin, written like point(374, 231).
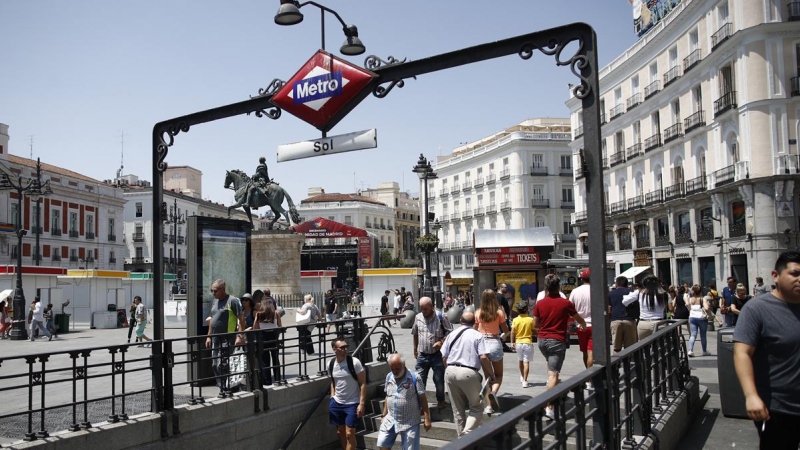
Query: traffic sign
point(327, 145)
point(321, 88)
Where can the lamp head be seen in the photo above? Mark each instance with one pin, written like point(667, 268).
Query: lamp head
point(288, 13)
point(352, 44)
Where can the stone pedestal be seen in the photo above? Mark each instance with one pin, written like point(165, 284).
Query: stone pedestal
point(275, 261)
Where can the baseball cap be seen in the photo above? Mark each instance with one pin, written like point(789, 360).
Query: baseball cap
point(585, 273)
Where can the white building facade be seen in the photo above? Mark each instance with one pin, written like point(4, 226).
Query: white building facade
point(406, 225)
point(699, 143)
point(518, 178)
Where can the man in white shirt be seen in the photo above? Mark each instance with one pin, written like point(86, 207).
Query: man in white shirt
point(581, 298)
point(348, 393)
point(37, 323)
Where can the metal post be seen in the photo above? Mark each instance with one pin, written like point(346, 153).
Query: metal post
point(18, 331)
point(160, 151)
point(37, 255)
point(322, 26)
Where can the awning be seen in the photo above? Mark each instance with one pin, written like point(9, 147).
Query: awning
point(526, 237)
point(634, 271)
point(459, 273)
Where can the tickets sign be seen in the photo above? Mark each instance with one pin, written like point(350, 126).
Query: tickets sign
point(507, 258)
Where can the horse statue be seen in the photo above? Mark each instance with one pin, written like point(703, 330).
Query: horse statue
point(272, 195)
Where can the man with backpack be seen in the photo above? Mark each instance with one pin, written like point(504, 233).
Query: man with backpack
point(429, 331)
point(623, 326)
point(402, 412)
point(226, 316)
point(348, 393)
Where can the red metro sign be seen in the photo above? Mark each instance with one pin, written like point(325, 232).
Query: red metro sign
point(321, 88)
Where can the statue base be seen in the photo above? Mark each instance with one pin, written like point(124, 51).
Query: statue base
point(275, 261)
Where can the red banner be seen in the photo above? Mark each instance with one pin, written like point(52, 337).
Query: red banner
point(324, 228)
point(495, 259)
point(505, 250)
point(364, 253)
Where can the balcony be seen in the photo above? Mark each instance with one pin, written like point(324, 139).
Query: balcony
point(735, 172)
point(683, 238)
point(382, 227)
point(467, 214)
point(794, 11)
point(431, 195)
point(652, 89)
point(616, 208)
point(443, 192)
point(181, 239)
point(616, 111)
point(634, 150)
point(795, 85)
point(787, 164)
point(181, 261)
point(112, 260)
point(368, 225)
point(505, 174)
point(580, 217)
point(112, 238)
point(705, 233)
point(14, 254)
point(480, 212)
point(694, 121)
point(388, 227)
point(171, 238)
point(466, 244)
point(567, 204)
point(74, 234)
point(505, 206)
point(578, 174)
point(736, 229)
point(636, 203)
point(625, 242)
point(721, 35)
point(671, 75)
point(696, 185)
point(445, 218)
point(692, 60)
point(55, 231)
point(479, 182)
point(455, 189)
point(467, 186)
point(73, 258)
point(456, 216)
point(540, 202)
point(725, 103)
point(643, 242)
point(673, 132)
point(391, 244)
point(568, 237)
point(578, 132)
point(617, 158)
point(492, 209)
point(674, 192)
point(37, 257)
point(55, 257)
point(89, 235)
point(652, 143)
point(653, 198)
point(36, 230)
point(633, 101)
point(538, 169)
point(662, 240)
point(565, 171)
point(137, 237)
point(610, 244)
point(134, 260)
point(490, 179)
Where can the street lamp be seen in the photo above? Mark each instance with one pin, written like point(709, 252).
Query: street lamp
point(44, 190)
point(425, 172)
point(438, 288)
point(34, 188)
point(174, 219)
point(289, 14)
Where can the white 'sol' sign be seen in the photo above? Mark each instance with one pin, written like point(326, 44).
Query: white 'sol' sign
point(332, 144)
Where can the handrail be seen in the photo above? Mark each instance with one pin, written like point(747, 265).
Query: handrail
point(327, 391)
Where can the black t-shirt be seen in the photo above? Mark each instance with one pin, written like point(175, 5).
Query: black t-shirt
point(503, 301)
point(740, 302)
point(330, 305)
point(384, 304)
point(681, 310)
point(618, 310)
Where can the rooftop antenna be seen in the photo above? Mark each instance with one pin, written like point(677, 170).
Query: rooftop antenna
point(30, 144)
point(121, 155)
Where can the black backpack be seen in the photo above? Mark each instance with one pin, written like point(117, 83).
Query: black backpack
point(350, 366)
point(633, 311)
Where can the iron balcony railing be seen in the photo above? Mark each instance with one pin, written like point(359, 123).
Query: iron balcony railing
point(692, 60)
point(625, 242)
point(89, 235)
point(456, 216)
point(443, 192)
point(578, 131)
point(73, 258)
point(694, 121)
point(602, 117)
point(653, 198)
point(55, 257)
point(445, 218)
point(795, 83)
point(723, 176)
point(611, 244)
point(616, 111)
point(134, 260)
point(112, 260)
point(652, 143)
point(368, 225)
point(467, 214)
point(636, 203)
point(633, 101)
point(467, 186)
point(540, 202)
point(705, 233)
point(662, 240)
point(137, 237)
point(505, 174)
point(580, 216)
point(794, 11)
point(617, 158)
point(480, 211)
point(721, 35)
point(112, 238)
point(479, 182)
point(490, 179)
point(674, 192)
point(538, 168)
point(55, 231)
point(388, 227)
point(605, 163)
point(36, 230)
point(725, 103)
point(578, 174)
point(567, 204)
point(643, 241)
point(381, 226)
point(683, 237)
point(651, 89)
point(671, 75)
point(634, 150)
point(431, 195)
point(673, 132)
point(455, 189)
point(617, 207)
point(696, 185)
point(565, 171)
point(736, 229)
point(492, 209)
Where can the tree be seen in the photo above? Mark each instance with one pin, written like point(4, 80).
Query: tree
point(386, 259)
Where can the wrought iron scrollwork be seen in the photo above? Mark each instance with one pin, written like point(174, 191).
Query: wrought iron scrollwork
point(167, 138)
point(36, 378)
point(118, 367)
point(80, 373)
point(576, 63)
point(380, 91)
point(272, 88)
point(273, 113)
point(373, 62)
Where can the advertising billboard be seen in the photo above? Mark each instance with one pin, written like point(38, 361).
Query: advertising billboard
point(647, 13)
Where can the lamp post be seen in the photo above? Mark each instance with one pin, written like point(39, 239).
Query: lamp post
point(174, 219)
point(289, 14)
point(425, 172)
point(438, 288)
point(34, 188)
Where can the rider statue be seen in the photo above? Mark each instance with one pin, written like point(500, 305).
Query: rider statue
point(260, 179)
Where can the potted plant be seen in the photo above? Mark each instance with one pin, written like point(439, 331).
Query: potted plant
point(427, 243)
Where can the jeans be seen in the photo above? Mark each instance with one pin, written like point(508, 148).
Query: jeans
point(696, 324)
point(270, 358)
point(221, 350)
point(433, 361)
point(36, 325)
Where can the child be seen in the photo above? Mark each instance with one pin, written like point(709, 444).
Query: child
point(522, 340)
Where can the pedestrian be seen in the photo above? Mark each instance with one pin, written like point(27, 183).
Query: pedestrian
point(713, 299)
point(397, 303)
point(623, 327)
point(679, 309)
point(306, 344)
point(37, 320)
point(738, 301)
point(268, 320)
point(490, 319)
point(765, 355)
point(248, 309)
point(331, 309)
point(132, 321)
point(49, 320)
point(404, 407)
point(698, 319)
point(550, 320)
point(348, 393)
point(653, 304)
point(141, 320)
point(728, 292)
point(760, 288)
point(464, 351)
point(522, 341)
point(581, 298)
point(429, 332)
point(385, 305)
point(5, 319)
point(225, 317)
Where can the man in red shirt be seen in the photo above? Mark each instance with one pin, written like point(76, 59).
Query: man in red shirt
point(550, 317)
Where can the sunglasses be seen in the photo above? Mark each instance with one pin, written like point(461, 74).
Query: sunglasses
point(344, 347)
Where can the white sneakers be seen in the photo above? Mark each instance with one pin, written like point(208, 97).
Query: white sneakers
point(589, 386)
point(550, 413)
point(488, 410)
point(707, 354)
point(525, 384)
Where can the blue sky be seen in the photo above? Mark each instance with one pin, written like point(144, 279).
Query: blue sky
point(75, 75)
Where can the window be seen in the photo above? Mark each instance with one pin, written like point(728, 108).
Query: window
point(508, 222)
point(111, 258)
point(55, 219)
point(706, 222)
point(491, 168)
point(654, 72)
point(138, 209)
point(682, 223)
point(139, 253)
point(470, 259)
point(73, 222)
point(90, 224)
point(604, 149)
point(348, 220)
point(458, 261)
point(73, 254)
point(466, 177)
point(15, 215)
point(635, 85)
point(569, 253)
point(566, 194)
point(468, 205)
point(491, 200)
point(737, 212)
point(506, 195)
point(673, 57)
point(456, 207)
point(480, 201)
point(662, 227)
point(111, 227)
point(697, 99)
point(566, 161)
point(480, 173)
point(619, 142)
point(642, 233)
point(722, 14)
point(538, 160)
point(655, 122)
point(675, 109)
point(693, 40)
point(539, 222)
point(725, 80)
point(567, 227)
point(637, 132)
point(617, 96)
point(677, 173)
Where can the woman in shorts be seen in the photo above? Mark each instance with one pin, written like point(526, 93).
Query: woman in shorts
point(550, 318)
point(489, 320)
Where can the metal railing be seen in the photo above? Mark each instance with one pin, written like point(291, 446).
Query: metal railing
point(505, 174)
point(651, 89)
point(625, 242)
point(692, 60)
point(674, 192)
point(55, 231)
point(636, 203)
point(112, 238)
point(683, 237)
point(725, 103)
point(653, 142)
point(643, 241)
point(455, 189)
point(696, 185)
point(633, 100)
point(634, 150)
point(81, 387)
point(616, 111)
point(671, 75)
point(662, 240)
point(736, 229)
point(705, 233)
point(490, 178)
point(73, 233)
point(617, 158)
point(137, 237)
point(653, 197)
point(694, 121)
point(673, 132)
point(580, 216)
point(617, 207)
point(721, 35)
point(466, 186)
point(578, 131)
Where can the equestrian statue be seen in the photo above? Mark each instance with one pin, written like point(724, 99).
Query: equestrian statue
point(257, 191)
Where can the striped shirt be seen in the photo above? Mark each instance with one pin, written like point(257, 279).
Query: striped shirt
point(429, 331)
